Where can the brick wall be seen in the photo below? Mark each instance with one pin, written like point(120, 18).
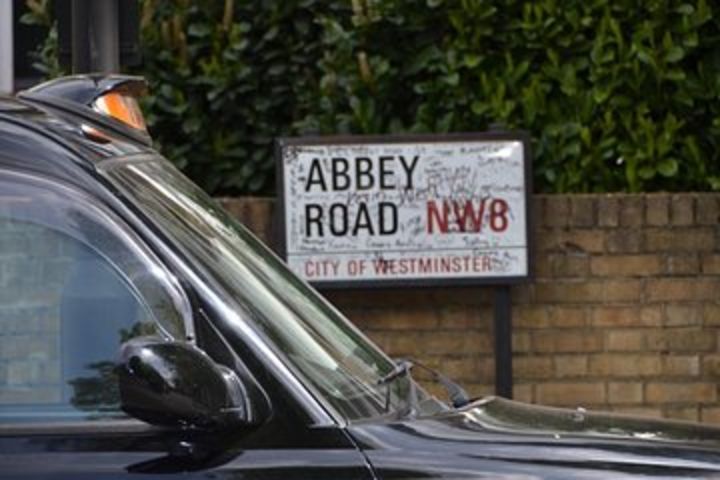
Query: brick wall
point(623, 314)
point(31, 271)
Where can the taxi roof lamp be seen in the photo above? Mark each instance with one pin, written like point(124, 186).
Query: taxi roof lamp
point(115, 97)
point(121, 106)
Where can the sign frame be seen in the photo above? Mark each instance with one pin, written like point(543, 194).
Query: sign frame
point(279, 230)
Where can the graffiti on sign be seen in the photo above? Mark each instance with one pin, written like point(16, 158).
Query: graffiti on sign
point(404, 210)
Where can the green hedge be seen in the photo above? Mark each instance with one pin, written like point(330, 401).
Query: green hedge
point(619, 95)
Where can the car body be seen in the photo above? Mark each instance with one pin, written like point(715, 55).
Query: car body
point(144, 334)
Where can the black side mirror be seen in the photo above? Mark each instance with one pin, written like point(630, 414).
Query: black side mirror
point(177, 384)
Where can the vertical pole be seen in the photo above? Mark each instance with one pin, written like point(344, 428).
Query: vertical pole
point(80, 36)
point(503, 342)
point(105, 36)
point(7, 66)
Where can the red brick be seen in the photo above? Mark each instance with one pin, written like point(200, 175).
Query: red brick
point(578, 241)
point(685, 392)
point(571, 393)
point(697, 239)
point(625, 365)
point(570, 291)
point(625, 392)
point(680, 289)
point(707, 209)
point(649, 412)
point(613, 308)
point(530, 368)
point(711, 264)
point(454, 343)
point(465, 369)
point(608, 208)
point(683, 264)
point(253, 212)
point(625, 340)
point(682, 210)
point(566, 342)
point(531, 317)
point(543, 266)
point(402, 319)
point(632, 210)
point(656, 209)
point(397, 344)
point(710, 414)
point(568, 317)
point(439, 296)
point(582, 210)
point(523, 392)
point(624, 241)
point(682, 315)
point(626, 317)
point(625, 265)
point(521, 342)
point(521, 294)
point(711, 315)
point(570, 366)
point(711, 365)
point(689, 414)
point(681, 365)
point(435, 390)
point(570, 265)
point(557, 211)
point(475, 390)
point(464, 317)
point(680, 340)
point(622, 291)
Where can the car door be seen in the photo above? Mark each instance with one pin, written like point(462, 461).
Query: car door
point(75, 283)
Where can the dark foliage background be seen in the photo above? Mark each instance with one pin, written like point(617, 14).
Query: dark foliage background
point(619, 95)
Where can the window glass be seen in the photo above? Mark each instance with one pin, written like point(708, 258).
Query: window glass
point(334, 358)
point(74, 286)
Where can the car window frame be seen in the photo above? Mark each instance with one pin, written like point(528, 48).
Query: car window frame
point(320, 412)
point(169, 280)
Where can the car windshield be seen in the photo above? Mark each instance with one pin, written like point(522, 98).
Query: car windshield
point(334, 358)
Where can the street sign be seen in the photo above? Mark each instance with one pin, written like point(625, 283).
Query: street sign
point(398, 210)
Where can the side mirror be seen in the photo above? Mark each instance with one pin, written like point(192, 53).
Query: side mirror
point(176, 384)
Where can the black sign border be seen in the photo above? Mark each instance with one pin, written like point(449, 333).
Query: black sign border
point(279, 226)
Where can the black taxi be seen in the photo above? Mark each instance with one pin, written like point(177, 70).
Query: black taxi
point(146, 334)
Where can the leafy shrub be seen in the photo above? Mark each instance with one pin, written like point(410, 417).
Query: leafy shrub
point(225, 79)
point(619, 95)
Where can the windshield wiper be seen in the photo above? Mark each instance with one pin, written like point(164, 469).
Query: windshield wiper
point(458, 395)
point(401, 369)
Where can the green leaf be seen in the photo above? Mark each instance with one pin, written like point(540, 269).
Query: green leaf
point(675, 54)
point(472, 60)
point(590, 81)
point(646, 172)
point(668, 167)
point(685, 9)
point(199, 30)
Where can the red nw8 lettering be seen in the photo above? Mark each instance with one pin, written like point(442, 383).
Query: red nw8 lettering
point(467, 216)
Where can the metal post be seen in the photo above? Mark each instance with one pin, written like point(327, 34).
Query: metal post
point(105, 36)
point(7, 68)
point(503, 342)
point(80, 36)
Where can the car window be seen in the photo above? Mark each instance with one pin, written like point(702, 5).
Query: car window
point(74, 285)
point(334, 358)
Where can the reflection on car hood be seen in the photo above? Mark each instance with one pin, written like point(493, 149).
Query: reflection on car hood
point(497, 438)
point(505, 415)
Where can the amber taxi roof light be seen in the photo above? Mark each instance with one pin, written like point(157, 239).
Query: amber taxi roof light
point(114, 97)
point(122, 106)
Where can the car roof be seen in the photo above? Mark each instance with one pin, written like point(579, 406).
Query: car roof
point(56, 140)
